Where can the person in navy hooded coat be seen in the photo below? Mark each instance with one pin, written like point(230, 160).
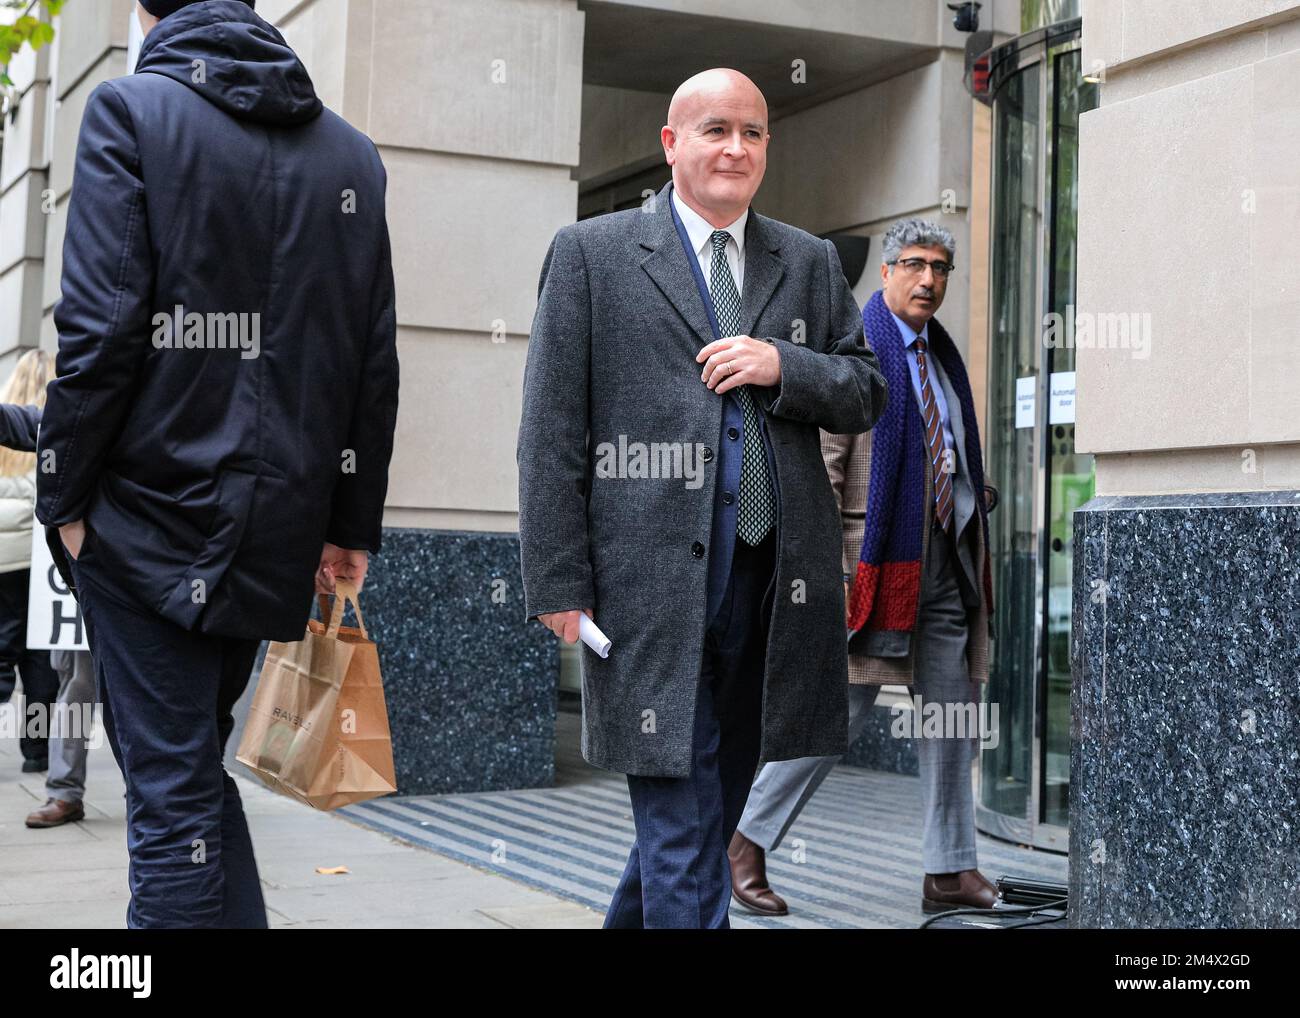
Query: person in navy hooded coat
point(216, 444)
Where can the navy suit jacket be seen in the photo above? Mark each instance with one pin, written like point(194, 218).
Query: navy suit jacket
point(722, 543)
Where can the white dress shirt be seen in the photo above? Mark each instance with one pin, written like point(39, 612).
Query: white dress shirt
point(700, 234)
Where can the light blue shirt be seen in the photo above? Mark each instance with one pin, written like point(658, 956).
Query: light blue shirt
point(909, 340)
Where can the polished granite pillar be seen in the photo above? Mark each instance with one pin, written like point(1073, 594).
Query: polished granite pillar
point(471, 690)
point(1185, 714)
point(877, 748)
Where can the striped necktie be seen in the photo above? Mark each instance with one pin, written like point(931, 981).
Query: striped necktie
point(934, 438)
point(756, 511)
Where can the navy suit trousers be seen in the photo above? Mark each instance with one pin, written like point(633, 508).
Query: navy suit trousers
point(677, 875)
point(167, 696)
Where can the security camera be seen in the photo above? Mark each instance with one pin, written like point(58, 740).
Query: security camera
point(966, 17)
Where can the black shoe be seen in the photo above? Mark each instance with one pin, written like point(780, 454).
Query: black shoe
point(32, 766)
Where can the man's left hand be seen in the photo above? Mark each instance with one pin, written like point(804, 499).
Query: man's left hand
point(739, 360)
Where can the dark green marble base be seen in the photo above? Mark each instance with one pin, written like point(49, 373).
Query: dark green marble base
point(1185, 726)
point(470, 689)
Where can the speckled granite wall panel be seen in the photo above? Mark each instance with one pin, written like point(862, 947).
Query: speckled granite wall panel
point(471, 689)
point(878, 749)
point(1185, 728)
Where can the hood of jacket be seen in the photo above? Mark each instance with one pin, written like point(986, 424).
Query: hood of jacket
point(226, 53)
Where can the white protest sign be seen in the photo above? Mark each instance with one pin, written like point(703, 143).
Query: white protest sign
point(53, 617)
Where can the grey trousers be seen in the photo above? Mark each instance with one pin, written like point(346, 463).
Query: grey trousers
point(783, 787)
point(69, 735)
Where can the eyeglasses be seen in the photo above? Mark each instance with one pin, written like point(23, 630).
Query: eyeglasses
point(915, 266)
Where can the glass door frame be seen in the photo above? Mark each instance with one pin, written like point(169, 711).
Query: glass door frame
point(1040, 47)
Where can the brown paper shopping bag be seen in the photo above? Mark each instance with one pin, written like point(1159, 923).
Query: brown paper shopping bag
point(317, 729)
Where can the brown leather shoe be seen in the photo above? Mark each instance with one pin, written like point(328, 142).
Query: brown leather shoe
point(749, 878)
point(56, 812)
point(942, 892)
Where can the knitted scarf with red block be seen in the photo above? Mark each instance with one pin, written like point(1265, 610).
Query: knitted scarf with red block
point(887, 586)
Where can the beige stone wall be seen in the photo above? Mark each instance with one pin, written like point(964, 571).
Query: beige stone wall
point(23, 180)
point(475, 110)
point(90, 47)
point(36, 171)
point(480, 113)
point(1188, 212)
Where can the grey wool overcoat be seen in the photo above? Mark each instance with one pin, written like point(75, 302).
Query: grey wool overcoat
point(611, 366)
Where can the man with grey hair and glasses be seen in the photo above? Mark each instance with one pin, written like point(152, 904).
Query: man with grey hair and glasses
point(913, 510)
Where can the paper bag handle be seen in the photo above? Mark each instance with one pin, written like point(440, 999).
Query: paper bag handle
point(344, 592)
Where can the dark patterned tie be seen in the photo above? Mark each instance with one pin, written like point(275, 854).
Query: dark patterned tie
point(934, 438)
point(756, 511)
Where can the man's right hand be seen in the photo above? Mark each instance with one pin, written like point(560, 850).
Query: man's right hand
point(563, 624)
point(341, 564)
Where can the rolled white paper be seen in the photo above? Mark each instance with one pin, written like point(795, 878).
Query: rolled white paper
point(590, 634)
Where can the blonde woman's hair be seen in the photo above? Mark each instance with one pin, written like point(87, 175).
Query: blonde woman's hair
point(26, 386)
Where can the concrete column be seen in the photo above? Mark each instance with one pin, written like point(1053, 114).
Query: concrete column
point(24, 174)
point(89, 47)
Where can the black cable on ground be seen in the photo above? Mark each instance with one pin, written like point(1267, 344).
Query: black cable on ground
point(1007, 910)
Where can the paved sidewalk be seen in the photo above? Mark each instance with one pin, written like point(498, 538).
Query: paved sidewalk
point(852, 859)
point(75, 876)
point(534, 858)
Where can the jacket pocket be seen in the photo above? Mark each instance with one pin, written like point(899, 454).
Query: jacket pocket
point(185, 601)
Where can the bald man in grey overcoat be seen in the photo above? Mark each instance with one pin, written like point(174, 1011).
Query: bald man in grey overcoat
point(682, 359)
